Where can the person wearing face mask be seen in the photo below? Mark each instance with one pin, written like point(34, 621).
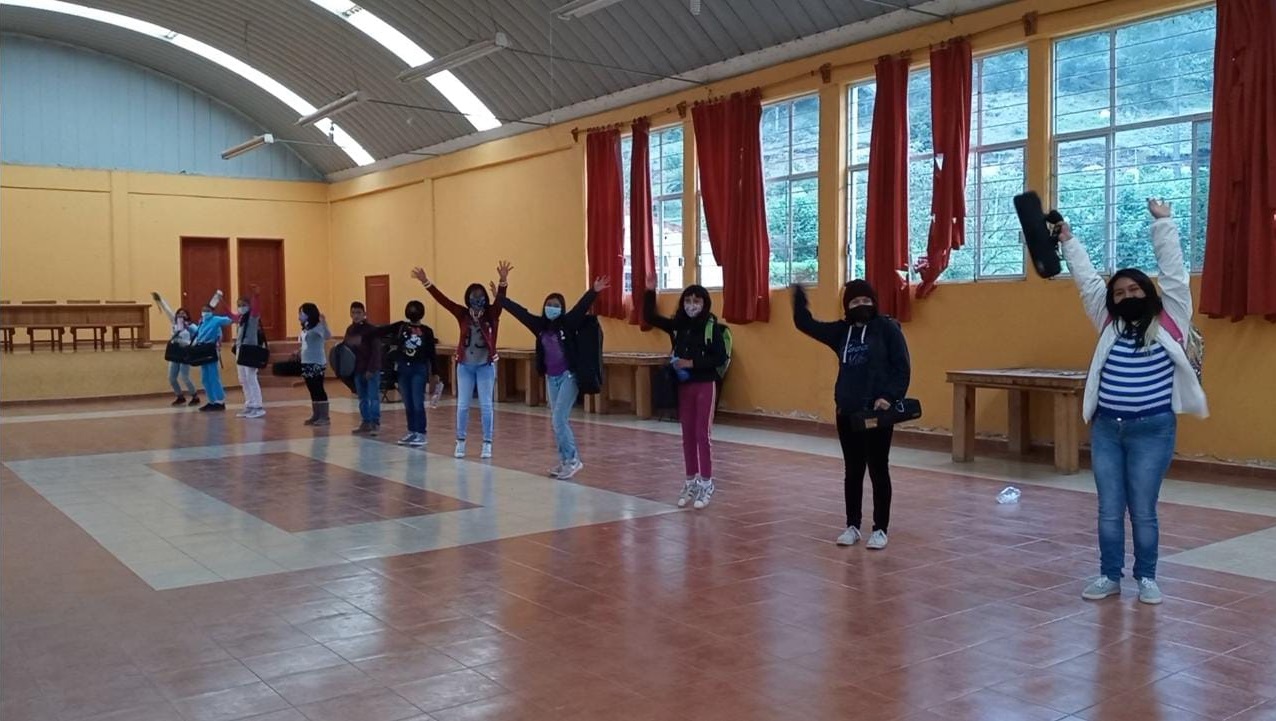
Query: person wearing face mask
point(555, 332)
point(697, 355)
point(209, 333)
point(416, 346)
point(314, 360)
point(248, 316)
point(1140, 377)
point(183, 333)
point(478, 320)
point(874, 371)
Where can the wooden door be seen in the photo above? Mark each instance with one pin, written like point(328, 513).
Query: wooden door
point(261, 263)
point(205, 270)
point(376, 298)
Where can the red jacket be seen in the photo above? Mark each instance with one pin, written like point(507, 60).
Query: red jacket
point(490, 321)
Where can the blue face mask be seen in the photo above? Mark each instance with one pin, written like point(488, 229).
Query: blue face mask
point(552, 312)
point(205, 315)
point(478, 303)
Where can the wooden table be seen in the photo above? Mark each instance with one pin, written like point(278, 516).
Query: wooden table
point(65, 315)
point(636, 365)
point(1066, 387)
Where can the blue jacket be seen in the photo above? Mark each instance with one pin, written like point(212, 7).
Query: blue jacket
point(210, 330)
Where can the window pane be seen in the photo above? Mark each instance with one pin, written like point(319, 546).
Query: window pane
point(806, 134)
point(1001, 177)
point(667, 229)
point(790, 146)
point(860, 106)
point(921, 180)
point(1150, 162)
point(1200, 197)
point(666, 162)
point(806, 232)
point(710, 271)
point(1000, 110)
point(1081, 179)
point(920, 138)
point(626, 162)
point(775, 140)
point(1082, 71)
point(857, 209)
point(1164, 67)
point(777, 217)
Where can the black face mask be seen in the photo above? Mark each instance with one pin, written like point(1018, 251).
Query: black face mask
point(861, 313)
point(1132, 309)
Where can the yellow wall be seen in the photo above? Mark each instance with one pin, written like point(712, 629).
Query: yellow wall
point(87, 234)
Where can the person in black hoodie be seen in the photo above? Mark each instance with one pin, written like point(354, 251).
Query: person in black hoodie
point(873, 374)
point(698, 351)
point(555, 359)
point(415, 346)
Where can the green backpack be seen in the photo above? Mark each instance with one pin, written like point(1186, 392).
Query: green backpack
point(712, 327)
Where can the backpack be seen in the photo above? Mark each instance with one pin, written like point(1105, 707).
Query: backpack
point(713, 326)
point(587, 356)
point(1193, 343)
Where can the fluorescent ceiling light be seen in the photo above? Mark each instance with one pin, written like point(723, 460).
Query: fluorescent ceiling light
point(340, 137)
point(337, 106)
point(467, 54)
point(248, 145)
point(581, 8)
point(412, 55)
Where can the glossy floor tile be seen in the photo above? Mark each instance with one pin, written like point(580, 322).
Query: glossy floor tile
point(160, 564)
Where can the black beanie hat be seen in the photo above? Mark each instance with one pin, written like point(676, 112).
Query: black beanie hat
point(858, 288)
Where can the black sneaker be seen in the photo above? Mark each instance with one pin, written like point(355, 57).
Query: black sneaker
point(219, 407)
point(181, 401)
point(375, 430)
point(194, 401)
point(207, 407)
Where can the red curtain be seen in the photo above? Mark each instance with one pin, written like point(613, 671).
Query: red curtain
point(729, 153)
point(1240, 249)
point(642, 252)
point(886, 229)
point(950, 85)
point(605, 226)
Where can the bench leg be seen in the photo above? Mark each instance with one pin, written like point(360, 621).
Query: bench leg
point(1067, 442)
point(1020, 431)
point(642, 393)
point(963, 423)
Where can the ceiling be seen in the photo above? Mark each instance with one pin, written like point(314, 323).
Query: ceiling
point(320, 57)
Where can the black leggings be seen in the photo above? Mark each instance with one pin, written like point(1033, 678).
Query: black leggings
point(866, 450)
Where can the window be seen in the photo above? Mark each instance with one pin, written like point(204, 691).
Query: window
point(995, 168)
point(1132, 121)
point(710, 271)
point(666, 205)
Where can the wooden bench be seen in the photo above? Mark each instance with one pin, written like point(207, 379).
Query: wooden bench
point(1065, 387)
point(97, 331)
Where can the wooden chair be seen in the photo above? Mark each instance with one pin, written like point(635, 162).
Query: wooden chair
point(134, 330)
point(98, 331)
point(55, 331)
point(7, 333)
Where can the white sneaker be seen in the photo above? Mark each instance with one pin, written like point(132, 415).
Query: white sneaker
point(257, 412)
point(570, 469)
point(460, 450)
point(876, 541)
point(849, 537)
point(704, 492)
point(553, 472)
point(487, 450)
point(244, 413)
point(418, 440)
point(1100, 588)
point(688, 492)
point(406, 439)
point(1149, 592)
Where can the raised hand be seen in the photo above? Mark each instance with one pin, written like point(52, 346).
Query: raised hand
point(1065, 231)
point(419, 274)
point(601, 283)
point(1158, 208)
point(155, 297)
point(491, 285)
point(503, 269)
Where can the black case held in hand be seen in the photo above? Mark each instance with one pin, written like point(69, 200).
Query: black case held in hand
point(1040, 234)
point(908, 409)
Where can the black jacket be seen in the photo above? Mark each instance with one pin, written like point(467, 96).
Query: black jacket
point(566, 325)
point(414, 345)
point(688, 338)
point(888, 367)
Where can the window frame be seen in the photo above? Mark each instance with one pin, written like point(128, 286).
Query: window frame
point(656, 201)
point(789, 179)
point(1108, 134)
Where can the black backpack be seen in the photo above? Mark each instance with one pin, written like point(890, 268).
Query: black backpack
point(588, 356)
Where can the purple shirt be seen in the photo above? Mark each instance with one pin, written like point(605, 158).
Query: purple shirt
point(555, 356)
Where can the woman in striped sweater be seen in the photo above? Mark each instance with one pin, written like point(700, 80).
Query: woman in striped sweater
point(1140, 378)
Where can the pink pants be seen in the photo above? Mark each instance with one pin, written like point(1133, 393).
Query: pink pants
point(695, 410)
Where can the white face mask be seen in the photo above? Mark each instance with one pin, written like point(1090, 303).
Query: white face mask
point(243, 310)
point(692, 310)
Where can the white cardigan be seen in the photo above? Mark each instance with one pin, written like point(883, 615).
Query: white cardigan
point(1176, 296)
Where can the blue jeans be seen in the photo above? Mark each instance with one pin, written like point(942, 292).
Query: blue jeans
point(562, 398)
point(1129, 459)
point(369, 392)
point(467, 378)
point(412, 381)
point(210, 376)
point(183, 371)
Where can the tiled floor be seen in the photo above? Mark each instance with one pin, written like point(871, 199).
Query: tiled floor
point(160, 565)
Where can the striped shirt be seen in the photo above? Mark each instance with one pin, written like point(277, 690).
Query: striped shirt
point(1136, 382)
